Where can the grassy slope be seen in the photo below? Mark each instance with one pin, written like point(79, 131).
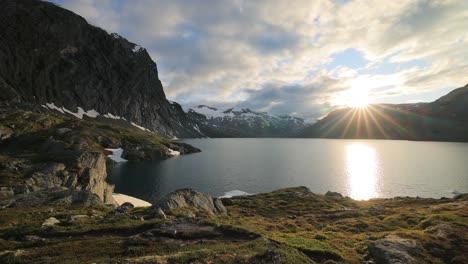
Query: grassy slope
point(300, 227)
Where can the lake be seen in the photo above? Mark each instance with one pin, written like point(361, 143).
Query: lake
point(361, 169)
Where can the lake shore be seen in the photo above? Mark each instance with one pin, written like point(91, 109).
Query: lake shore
point(291, 225)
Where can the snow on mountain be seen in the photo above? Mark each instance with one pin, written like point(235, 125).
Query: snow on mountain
point(244, 122)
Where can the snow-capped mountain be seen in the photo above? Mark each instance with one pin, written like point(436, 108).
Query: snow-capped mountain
point(231, 122)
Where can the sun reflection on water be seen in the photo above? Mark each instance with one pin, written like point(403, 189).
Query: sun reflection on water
point(362, 167)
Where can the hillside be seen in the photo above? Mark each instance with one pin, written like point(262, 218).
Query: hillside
point(445, 119)
point(54, 58)
point(285, 226)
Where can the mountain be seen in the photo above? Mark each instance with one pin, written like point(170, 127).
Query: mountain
point(231, 122)
point(445, 119)
point(53, 58)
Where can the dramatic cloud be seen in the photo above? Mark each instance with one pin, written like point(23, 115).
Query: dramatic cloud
point(294, 57)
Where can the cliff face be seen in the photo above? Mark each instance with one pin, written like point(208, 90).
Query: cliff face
point(442, 120)
point(51, 55)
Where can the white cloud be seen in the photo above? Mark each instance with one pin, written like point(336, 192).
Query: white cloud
point(235, 52)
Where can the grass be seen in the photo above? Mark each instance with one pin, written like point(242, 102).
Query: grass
point(299, 227)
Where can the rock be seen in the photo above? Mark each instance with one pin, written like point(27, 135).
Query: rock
point(62, 131)
point(33, 238)
point(159, 213)
point(190, 198)
point(442, 230)
point(127, 205)
point(53, 196)
point(334, 194)
point(227, 201)
point(269, 256)
point(5, 132)
point(393, 249)
point(50, 222)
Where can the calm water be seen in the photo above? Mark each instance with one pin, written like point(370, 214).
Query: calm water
point(361, 169)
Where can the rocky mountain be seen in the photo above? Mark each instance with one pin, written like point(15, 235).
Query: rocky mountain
point(213, 122)
point(53, 58)
point(445, 119)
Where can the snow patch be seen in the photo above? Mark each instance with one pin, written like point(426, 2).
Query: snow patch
point(111, 116)
point(54, 107)
point(233, 193)
point(140, 127)
point(137, 49)
point(174, 152)
point(122, 198)
point(116, 155)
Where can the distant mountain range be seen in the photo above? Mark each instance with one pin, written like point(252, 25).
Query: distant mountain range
point(445, 119)
point(244, 122)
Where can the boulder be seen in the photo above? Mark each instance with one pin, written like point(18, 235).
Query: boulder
point(393, 250)
point(50, 222)
point(190, 198)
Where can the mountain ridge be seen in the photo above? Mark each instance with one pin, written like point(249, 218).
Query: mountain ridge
point(445, 119)
point(52, 56)
point(243, 122)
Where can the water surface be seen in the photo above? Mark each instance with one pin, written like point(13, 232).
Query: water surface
point(361, 169)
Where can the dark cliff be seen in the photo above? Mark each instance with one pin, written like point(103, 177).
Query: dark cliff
point(51, 55)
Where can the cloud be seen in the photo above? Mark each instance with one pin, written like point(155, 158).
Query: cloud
point(287, 56)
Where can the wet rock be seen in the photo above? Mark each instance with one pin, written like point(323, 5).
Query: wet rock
point(190, 198)
point(393, 249)
point(50, 222)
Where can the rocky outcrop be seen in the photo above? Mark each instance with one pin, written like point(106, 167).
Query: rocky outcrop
point(47, 151)
point(51, 55)
point(54, 196)
point(189, 198)
point(393, 249)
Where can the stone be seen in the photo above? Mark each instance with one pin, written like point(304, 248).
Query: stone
point(159, 213)
point(50, 222)
point(269, 256)
point(227, 201)
point(63, 131)
point(190, 198)
point(334, 194)
point(127, 205)
point(394, 250)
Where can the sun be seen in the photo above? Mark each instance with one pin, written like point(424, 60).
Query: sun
point(358, 98)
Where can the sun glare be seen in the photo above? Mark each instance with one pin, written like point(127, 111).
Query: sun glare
point(359, 98)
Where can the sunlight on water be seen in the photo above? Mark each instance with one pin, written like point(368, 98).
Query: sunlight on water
point(362, 167)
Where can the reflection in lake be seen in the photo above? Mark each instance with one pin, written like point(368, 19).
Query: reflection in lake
point(362, 168)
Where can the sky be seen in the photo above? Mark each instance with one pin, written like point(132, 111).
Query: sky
point(303, 58)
